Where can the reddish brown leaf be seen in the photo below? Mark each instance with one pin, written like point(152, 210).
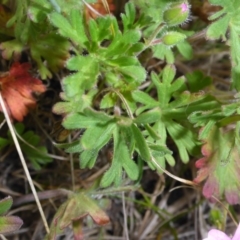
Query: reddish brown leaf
point(17, 87)
point(73, 211)
point(220, 166)
point(79, 206)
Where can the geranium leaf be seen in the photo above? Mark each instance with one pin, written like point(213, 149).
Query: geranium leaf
point(80, 205)
point(220, 167)
point(17, 86)
point(75, 209)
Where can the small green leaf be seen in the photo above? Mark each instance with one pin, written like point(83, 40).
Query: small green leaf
point(168, 74)
point(97, 136)
point(5, 205)
point(88, 158)
point(81, 63)
point(72, 147)
point(197, 81)
point(63, 24)
point(91, 118)
point(131, 36)
point(123, 61)
point(151, 132)
point(185, 49)
point(37, 155)
point(150, 116)
point(72, 28)
point(218, 28)
point(108, 101)
point(93, 30)
point(3, 143)
point(129, 16)
point(113, 174)
point(160, 51)
point(141, 145)
point(121, 159)
point(144, 98)
point(135, 72)
point(183, 138)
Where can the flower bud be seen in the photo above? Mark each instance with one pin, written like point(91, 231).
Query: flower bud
point(173, 38)
point(176, 13)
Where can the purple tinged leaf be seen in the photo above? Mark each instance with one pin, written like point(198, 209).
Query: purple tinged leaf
point(78, 207)
point(54, 228)
point(10, 224)
point(74, 210)
point(77, 230)
point(220, 166)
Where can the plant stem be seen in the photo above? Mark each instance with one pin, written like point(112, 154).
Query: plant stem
point(149, 41)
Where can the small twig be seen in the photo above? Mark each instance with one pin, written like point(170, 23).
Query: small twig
point(152, 37)
point(19, 150)
point(124, 102)
point(188, 182)
point(125, 216)
point(40, 152)
point(226, 209)
point(55, 193)
point(2, 123)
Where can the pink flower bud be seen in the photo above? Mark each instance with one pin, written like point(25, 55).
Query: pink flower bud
point(176, 13)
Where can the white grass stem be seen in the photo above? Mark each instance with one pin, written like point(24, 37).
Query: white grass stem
point(91, 8)
point(2, 237)
point(15, 140)
point(185, 181)
point(125, 216)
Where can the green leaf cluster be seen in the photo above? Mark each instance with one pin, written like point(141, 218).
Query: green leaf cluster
point(31, 146)
point(102, 129)
point(228, 19)
point(30, 29)
point(108, 57)
point(106, 74)
point(110, 96)
point(168, 116)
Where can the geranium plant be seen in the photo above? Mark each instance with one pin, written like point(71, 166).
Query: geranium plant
point(111, 96)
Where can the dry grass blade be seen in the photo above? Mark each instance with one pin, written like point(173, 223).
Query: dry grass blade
point(105, 4)
point(91, 8)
